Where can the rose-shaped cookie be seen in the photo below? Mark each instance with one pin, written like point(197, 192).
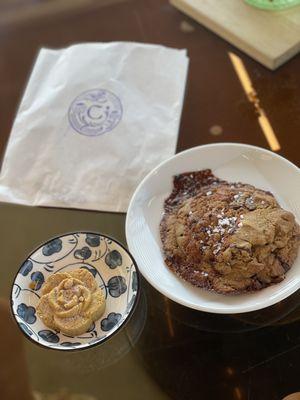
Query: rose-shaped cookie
point(71, 302)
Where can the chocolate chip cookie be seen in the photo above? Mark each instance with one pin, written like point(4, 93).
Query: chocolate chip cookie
point(226, 237)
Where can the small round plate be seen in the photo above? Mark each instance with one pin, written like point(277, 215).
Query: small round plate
point(113, 268)
point(234, 163)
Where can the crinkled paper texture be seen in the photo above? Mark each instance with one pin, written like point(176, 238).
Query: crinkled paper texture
point(94, 120)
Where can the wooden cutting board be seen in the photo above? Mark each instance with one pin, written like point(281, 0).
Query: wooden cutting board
point(270, 37)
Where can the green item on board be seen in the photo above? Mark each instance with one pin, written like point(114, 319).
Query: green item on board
point(273, 4)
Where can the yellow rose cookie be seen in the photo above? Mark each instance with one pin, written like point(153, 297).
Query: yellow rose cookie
point(71, 302)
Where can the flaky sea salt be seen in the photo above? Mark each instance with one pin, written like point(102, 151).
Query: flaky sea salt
point(227, 221)
point(217, 248)
point(238, 195)
point(223, 221)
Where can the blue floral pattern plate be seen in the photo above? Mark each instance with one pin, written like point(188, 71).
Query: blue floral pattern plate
point(113, 268)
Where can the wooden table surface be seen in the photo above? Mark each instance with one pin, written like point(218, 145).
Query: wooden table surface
point(214, 94)
point(166, 350)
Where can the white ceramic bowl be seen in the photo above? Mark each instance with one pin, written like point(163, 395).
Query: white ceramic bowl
point(232, 162)
point(115, 273)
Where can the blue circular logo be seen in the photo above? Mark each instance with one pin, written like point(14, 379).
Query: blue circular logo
point(95, 112)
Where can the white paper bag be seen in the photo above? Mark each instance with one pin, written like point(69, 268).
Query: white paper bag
point(94, 120)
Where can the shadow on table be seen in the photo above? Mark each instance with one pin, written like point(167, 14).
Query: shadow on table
point(57, 375)
point(14, 381)
point(251, 356)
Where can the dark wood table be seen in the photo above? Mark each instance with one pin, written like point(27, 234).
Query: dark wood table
point(166, 351)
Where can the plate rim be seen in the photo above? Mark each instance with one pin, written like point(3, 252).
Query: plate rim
point(89, 346)
point(227, 310)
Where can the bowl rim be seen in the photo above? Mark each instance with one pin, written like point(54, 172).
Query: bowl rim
point(89, 346)
point(181, 301)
